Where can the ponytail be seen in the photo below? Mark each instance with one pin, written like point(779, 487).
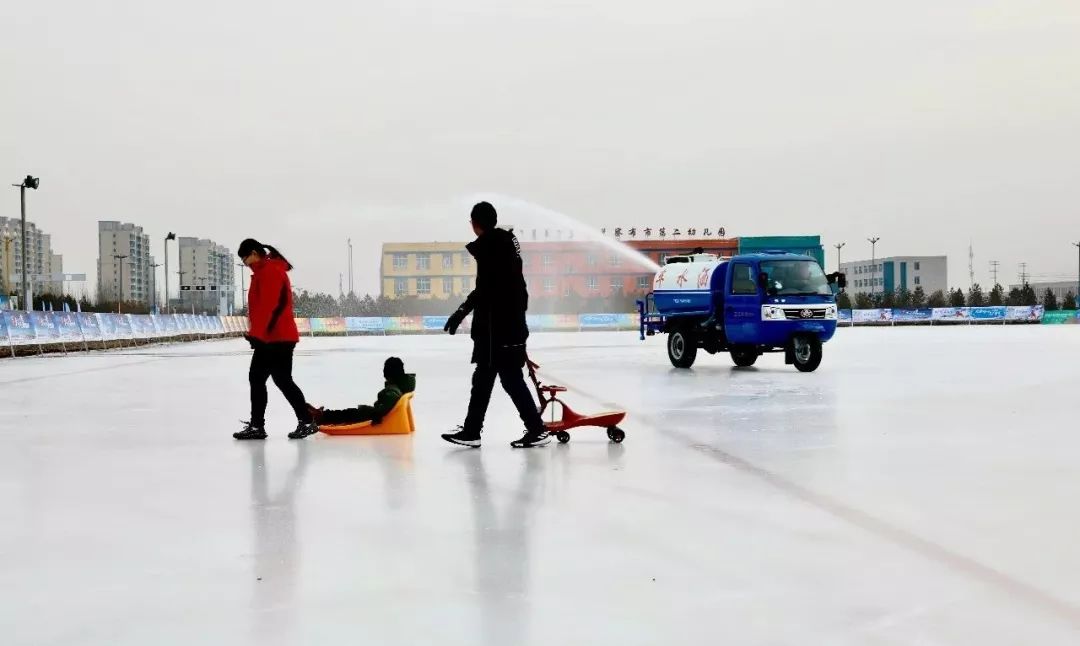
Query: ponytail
point(274, 253)
point(251, 245)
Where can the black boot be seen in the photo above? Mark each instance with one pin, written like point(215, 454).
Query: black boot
point(251, 432)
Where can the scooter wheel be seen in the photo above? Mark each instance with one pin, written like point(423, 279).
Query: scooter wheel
point(616, 434)
point(563, 437)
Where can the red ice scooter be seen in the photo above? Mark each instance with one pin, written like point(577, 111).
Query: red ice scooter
point(570, 419)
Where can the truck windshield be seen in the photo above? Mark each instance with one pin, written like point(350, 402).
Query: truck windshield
point(795, 278)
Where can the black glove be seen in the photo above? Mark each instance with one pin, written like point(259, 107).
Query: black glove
point(455, 320)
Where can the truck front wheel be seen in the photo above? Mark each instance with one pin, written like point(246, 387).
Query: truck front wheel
point(806, 350)
point(681, 348)
point(744, 357)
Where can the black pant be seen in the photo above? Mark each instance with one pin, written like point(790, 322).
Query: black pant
point(508, 370)
point(349, 415)
point(274, 361)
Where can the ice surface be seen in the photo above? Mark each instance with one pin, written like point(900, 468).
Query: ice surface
point(920, 488)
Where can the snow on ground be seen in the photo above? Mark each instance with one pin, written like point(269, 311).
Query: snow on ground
point(920, 488)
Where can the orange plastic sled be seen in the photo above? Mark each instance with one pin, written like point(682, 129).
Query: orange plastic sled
point(399, 421)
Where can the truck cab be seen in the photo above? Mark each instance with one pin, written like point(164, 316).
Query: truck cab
point(747, 305)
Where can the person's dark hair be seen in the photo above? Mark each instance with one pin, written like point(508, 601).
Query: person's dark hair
point(484, 215)
point(393, 367)
point(251, 244)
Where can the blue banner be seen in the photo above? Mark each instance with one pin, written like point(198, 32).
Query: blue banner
point(142, 326)
point(987, 313)
point(436, 323)
point(1030, 314)
point(107, 323)
point(912, 316)
point(961, 314)
point(20, 328)
point(170, 325)
point(187, 323)
point(844, 316)
point(123, 326)
point(366, 324)
point(67, 323)
point(45, 327)
point(871, 316)
point(91, 329)
point(3, 329)
point(598, 320)
point(626, 321)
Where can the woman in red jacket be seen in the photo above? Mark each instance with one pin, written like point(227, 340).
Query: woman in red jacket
point(273, 336)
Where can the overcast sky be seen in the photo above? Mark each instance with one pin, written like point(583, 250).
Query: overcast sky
point(924, 122)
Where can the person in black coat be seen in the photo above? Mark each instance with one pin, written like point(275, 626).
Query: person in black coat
point(499, 330)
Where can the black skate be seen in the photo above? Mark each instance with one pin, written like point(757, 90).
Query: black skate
point(532, 438)
point(462, 437)
point(304, 429)
point(251, 432)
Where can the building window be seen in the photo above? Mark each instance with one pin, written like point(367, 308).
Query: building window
point(448, 286)
point(447, 261)
point(466, 260)
point(423, 286)
point(549, 285)
point(401, 261)
point(616, 283)
point(466, 283)
point(547, 260)
point(615, 260)
point(423, 262)
point(643, 282)
point(663, 259)
point(590, 259)
point(401, 287)
point(569, 269)
point(593, 283)
point(916, 266)
point(918, 281)
point(524, 260)
point(566, 289)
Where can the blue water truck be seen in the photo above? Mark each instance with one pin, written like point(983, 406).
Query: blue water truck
point(746, 305)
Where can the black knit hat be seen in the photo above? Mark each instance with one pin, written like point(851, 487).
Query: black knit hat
point(393, 367)
point(484, 215)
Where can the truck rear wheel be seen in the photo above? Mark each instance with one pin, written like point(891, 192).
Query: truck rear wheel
point(744, 357)
point(681, 348)
point(806, 350)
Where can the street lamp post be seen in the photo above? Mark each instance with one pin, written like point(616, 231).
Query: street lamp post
point(873, 263)
point(171, 236)
point(1077, 303)
point(120, 288)
point(243, 294)
point(153, 295)
point(29, 182)
point(839, 246)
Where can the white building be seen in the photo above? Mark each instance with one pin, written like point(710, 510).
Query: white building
point(125, 266)
point(206, 264)
point(42, 260)
point(896, 273)
point(1061, 290)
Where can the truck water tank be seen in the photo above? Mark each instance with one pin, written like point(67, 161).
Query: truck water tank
point(687, 288)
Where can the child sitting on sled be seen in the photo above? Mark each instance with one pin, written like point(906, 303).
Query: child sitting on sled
point(397, 384)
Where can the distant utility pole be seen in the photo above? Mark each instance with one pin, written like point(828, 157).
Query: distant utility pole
point(340, 289)
point(351, 291)
point(873, 263)
point(994, 270)
point(839, 246)
point(1023, 274)
point(971, 266)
